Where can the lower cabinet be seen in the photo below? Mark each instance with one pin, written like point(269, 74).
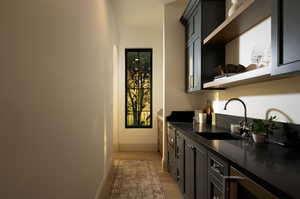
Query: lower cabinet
point(215, 188)
point(217, 170)
point(180, 142)
point(195, 171)
point(203, 174)
point(189, 163)
point(172, 164)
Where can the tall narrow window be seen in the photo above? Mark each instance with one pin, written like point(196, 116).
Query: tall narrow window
point(138, 88)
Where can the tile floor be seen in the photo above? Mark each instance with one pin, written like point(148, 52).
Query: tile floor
point(171, 189)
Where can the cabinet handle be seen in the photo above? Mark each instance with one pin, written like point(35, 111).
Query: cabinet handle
point(191, 147)
point(217, 168)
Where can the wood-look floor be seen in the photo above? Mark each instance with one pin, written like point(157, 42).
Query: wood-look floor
point(171, 189)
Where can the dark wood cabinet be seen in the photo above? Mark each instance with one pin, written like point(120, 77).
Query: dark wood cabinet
point(180, 142)
point(193, 26)
point(285, 37)
point(199, 19)
point(194, 65)
point(215, 188)
point(244, 187)
point(195, 171)
point(172, 164)
point(189, 170)
point(193, 43)
point(200, 172)
point(217, 170)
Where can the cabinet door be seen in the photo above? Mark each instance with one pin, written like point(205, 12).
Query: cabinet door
point(195, 171)
point(190, 67)
point(190, 29)
point(197, 21)
point(193, 57)
point(172, 164)
point(193, 26)
point(189, 170)
point(194, 65)
point(286, 37)
point(201, 172)
point(180, 162)
point(197, 64)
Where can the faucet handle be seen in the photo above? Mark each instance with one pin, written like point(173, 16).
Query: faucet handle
point(242, 124)
point(244, 131)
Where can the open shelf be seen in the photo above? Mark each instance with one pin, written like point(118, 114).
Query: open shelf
point(252, 76)
point(249, 14)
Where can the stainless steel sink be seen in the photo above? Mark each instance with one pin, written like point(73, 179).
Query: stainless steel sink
point(218, 136)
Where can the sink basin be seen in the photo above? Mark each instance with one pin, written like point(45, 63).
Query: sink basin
point(218, 136)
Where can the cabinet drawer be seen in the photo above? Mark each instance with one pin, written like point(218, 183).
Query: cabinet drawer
point(217, 167)
point(215, 188)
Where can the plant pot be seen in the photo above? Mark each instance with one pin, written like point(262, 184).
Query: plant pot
point(259, 137)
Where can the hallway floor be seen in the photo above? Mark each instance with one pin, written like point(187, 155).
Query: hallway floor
point(170, 188)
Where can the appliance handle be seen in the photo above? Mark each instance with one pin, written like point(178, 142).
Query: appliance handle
point(217, 167)
point(232, 178)
point(227, 180)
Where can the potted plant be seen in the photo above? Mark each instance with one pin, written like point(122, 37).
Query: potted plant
point(261, 129)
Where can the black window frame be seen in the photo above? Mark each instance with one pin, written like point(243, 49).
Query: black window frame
point(127, 50)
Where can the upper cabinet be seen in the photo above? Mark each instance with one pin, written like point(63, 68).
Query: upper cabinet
point(193, 24)
point(199, 19)
point(286, 37)
point(208, 32)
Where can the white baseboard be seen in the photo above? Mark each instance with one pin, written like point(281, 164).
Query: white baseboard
point(138, 147)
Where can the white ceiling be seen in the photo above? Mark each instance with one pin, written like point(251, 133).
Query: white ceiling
point(140, 13)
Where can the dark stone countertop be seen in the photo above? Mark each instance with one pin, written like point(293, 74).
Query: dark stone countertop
point(270, 165)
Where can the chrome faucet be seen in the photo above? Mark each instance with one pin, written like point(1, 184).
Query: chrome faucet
point(244, 124)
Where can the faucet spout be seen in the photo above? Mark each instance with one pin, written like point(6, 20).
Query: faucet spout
point(244, 105)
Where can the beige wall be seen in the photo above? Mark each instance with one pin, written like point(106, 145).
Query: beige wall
point(140, 25)
point(282, 95)
point(175, 97)
point(276, 95)
point(174, 59)
point(55, 112)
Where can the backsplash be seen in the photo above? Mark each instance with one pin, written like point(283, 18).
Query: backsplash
point(286, 132)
